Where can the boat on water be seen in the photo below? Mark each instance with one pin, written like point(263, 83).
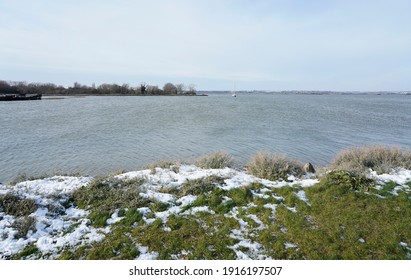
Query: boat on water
point(19, 97)
point(234, 92)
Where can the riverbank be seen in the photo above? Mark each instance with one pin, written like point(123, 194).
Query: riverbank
point(172, 211)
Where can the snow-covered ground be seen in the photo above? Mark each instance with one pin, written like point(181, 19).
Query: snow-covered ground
point(59, 224)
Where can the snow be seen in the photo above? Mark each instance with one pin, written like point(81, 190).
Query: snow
point(289, 245)
point(51, 232)
point(145, 254)
point(114, 218)
point(273, 207)
point(301, 195)
point(258, 221)
point(194, 210)
point(162, 197)
point(70, 227)
point(400, 176)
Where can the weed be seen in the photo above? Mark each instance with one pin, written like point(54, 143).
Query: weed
point(274, 167)
point(104, 196)
point(14, 205)
point(345, 181)
point(26, 252)
point(23, 225)
point(165, 164)
point(215, 160)
point(201, 185)
point(379, 158)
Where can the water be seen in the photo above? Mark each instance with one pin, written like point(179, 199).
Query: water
point(99, 135)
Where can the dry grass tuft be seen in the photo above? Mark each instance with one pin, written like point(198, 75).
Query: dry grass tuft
point(379, 158)
point(172, 165)
point(215, 160)
point(274, 167)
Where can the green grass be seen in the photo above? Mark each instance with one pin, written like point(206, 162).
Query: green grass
point(103, 196)
point(191, 237)
point(200, 186)
point(341, 214)
point(345, 207)
point(240, 196)
point(27, 252)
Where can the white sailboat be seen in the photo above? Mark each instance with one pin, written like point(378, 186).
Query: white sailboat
point(234, 94)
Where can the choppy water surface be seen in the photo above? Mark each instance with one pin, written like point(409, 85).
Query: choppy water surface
point(98, 135)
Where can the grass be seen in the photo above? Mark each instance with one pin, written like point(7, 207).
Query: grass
point(164, 164)
point(342, 214)
point(190, 238)
point(200, 186)
point(23, 225)
point(348, 216)
point(274, 167)
point(27, 252)
point(380, 159)
point(14, 205)
point(22, 177)
point(105, 195)
point(216, 160)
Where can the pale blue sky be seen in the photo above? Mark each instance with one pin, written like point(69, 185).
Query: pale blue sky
point(256, 44)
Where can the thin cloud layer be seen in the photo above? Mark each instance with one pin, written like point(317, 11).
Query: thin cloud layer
point(276, 45)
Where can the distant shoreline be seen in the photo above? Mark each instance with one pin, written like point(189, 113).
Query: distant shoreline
point(102, 95)
point(309, 92)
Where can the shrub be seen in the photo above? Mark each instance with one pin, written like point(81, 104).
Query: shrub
point(14, 205)
point(200, 186)
point(23, 225)
point(378, 158)
point(345, 181)
point(215, 160)
point(274, 167)
point(165, 164)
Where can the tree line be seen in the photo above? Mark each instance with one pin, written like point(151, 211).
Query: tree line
point(9, 87)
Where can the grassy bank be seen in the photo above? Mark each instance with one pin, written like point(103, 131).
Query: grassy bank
point(274, 210)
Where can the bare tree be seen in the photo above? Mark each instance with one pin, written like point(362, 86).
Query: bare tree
point(143, 88)
point(169, 88)
point(154, 90)
point(180, 88)
point(191, 89)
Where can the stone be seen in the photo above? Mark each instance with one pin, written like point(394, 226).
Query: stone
point(309, 168)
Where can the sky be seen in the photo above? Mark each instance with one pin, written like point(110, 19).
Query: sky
point(362, 45)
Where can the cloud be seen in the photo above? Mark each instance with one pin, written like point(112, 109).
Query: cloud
point(295, 44)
